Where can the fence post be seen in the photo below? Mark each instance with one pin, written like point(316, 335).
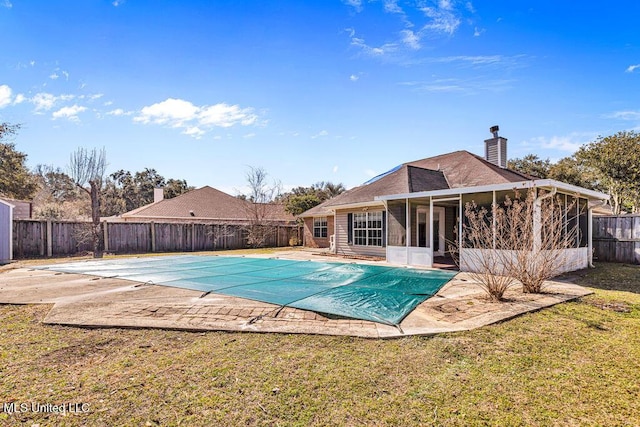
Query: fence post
point(43, 235)
point(49, 239)
point(105, 226)
point(193, 236)
point(153, 236)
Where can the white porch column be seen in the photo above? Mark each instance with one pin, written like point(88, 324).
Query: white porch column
point(431, 226)
point(460, 222)
point(590, 233)
point(537, 228)
point(408, 224)
point(537, 219)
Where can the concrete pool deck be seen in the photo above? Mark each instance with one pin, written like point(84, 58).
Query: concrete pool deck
point(87, 301)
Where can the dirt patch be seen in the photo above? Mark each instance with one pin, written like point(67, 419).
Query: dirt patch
point(617, 306)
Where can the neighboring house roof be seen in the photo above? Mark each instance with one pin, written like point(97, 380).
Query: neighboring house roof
point(22, 209)
point(452, 170)
point(208, 204)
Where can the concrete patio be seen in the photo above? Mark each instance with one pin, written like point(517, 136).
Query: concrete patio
point(88, 301)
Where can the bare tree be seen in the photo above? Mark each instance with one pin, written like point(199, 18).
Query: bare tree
point(220, 232)
point(87, 167)
point(519, 241)
point(260, 206)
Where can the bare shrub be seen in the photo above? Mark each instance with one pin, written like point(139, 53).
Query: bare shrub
point(220, 232)
point(520, 240)
point(484, 266)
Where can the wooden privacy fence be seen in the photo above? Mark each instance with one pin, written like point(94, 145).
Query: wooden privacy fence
point(34, 238)
point(617, 238)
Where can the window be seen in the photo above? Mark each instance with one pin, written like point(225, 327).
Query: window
point(367, 229)
point(320, 227)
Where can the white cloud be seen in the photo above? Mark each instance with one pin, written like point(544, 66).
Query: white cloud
point(194, 131)
point(443, 20)
point(435, 18)
point(19, 99)
point(569, 143)
point(469, 7)
point(335, 169)
point(473, 85)
point(46, 101)
point(54, 76)
point(626, 115)
point(411, 39)
point(249, 135)
point(171, 111)
point(473, 60)
point(119, 112)
point(224, 115)
point(445, 4)
point(632, 68)
point(178, 113)
point(7, 4)
point(477, 32)
point(70, 113)
point(391, 6)
point(320, 134)
point(354, 78)
point(5, 96)
point(117, 3)
point(373, 51)
point(356, 4)
point(43, 101)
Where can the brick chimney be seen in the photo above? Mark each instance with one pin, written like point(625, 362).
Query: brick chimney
point(158, 195)
point(495, 149)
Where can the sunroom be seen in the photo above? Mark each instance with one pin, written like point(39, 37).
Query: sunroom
point(421, 226)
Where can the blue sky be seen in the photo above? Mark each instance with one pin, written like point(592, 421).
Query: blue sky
point(312, 90)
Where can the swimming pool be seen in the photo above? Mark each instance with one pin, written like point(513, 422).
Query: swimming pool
point(369, 292)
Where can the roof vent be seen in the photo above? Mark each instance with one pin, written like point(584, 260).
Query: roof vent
point(495, 149)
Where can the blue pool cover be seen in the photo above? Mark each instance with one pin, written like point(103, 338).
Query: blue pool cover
point(369, 292)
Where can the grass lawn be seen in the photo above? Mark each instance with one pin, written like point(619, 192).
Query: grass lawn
point(572, 364)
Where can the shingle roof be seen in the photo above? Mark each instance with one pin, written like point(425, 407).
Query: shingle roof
point(465, 169)
point(206, 203)
point(452, 170)
point(406, 179)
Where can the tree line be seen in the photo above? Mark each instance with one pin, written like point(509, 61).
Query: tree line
point(82, 191)
point(609, 164)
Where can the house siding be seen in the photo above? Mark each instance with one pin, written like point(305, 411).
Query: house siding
point(342, 245)
point(317, 242)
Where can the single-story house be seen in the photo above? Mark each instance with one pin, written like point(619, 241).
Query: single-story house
point(206, 205)
point(407, 214)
